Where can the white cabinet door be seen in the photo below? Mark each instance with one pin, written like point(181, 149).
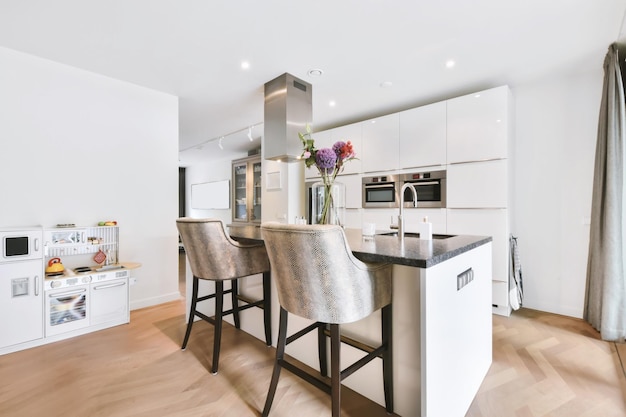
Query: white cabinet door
point(478, 185)
point(485, 222)
point(423, 136)
point(353, 190)
point(381, 143)
point(478, 125)
point(21, 304)
point(109, 302)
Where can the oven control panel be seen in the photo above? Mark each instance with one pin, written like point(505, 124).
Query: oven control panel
point(74, 280)
point(65, 282)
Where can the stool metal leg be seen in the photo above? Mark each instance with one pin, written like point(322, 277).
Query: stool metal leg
point(217, 337)
point(280, 354)
point(335, 369)
point(387, 338)
point(192, 312)
point(267, 307)
point(234, 286)
point(321, 349)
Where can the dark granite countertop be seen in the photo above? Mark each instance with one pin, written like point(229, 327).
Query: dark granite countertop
point(412, 252)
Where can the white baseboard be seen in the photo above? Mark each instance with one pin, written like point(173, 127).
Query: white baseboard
point(501, 310)
point(149, 302)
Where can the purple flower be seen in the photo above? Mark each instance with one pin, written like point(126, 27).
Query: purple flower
point(337, 147)
point(325, 158)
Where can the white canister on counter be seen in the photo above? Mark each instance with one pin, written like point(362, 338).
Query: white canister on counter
point(425, 229)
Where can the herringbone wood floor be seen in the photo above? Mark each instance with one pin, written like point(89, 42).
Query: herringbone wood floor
point(543, 365)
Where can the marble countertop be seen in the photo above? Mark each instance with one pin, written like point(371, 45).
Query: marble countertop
point(411, 252)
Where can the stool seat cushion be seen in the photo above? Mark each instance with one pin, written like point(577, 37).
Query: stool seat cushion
point(214, 255)
point(317, 276)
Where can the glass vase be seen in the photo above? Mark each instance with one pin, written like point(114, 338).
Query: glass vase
point(328, 203)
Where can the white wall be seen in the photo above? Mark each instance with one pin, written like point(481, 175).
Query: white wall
point(77, 147)
point(556, 124)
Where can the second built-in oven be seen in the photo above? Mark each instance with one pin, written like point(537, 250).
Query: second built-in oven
point(381, 192)
point(430, 187)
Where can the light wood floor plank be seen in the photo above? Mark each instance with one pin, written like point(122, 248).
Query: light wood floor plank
point(544, 365)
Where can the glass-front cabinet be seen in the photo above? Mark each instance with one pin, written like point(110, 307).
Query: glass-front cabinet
point(247, 190)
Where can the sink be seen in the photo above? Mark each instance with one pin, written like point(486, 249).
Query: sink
point(415, 235)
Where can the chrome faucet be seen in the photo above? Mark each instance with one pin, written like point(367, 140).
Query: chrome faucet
point(400, 216)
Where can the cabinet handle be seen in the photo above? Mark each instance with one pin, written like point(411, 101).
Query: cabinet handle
point(386, 185)
point(65, 294)
point(419, 184)
point(117, 284)
point(36, 245)
point(36, 285)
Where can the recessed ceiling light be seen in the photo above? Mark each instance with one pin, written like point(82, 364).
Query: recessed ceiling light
point(245, 65)
point(316, 72)
point(386, 84)
point(450, 63)
point(332, 103)
point(477, 95)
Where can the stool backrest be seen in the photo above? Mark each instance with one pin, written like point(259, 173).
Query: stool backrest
point(318, 277)
point(214, 255)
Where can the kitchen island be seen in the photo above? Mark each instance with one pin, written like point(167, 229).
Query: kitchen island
point(441, 317)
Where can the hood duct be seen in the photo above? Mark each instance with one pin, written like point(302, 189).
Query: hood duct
point(288, 109)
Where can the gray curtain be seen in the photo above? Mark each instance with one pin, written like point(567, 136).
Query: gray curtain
point(605, 298)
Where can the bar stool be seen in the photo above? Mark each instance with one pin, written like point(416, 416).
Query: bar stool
point(214, 256)
point(317, 277)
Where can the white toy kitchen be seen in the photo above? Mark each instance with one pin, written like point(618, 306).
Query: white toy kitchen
point(60, 282)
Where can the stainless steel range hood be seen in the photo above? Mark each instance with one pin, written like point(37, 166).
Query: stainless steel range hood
point(288, 109)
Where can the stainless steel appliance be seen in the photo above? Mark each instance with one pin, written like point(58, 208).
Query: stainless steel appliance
point(21, 276)
point(81, 299)
point(381, 191)
point(430, 187)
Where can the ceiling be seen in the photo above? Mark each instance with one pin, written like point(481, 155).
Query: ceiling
point(377, 56)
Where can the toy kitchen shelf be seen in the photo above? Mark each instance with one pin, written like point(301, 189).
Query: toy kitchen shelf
point(62, 241)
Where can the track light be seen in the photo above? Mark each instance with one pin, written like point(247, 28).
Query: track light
point(220, 139)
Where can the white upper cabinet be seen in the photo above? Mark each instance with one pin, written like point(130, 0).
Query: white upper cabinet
point(478, 126)
point(381, 143)
point(327, 138)
point(423, 136)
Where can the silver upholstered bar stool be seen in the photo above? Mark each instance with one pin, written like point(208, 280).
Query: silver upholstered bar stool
point(214, 256)
point(317, 277)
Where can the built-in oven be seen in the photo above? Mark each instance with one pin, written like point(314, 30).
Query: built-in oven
point(430, 187)
point(381, 192)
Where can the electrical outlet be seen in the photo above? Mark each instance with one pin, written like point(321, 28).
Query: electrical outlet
point(464, 278)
